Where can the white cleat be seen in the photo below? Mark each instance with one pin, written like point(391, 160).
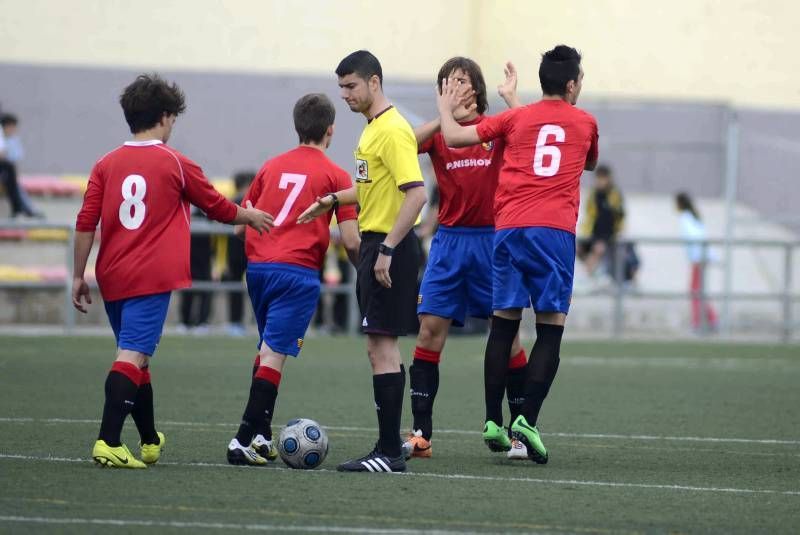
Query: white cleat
point(518, 451)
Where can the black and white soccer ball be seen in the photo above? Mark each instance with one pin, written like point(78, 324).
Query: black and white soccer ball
point(303, 444)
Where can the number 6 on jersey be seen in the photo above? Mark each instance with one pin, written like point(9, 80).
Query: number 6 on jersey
point(297, 182)
point(543, 149)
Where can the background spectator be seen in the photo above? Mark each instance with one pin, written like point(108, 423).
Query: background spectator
point(704, 317)
point(604, 219)
point(11, 153)
point(196, 304)
point(236, 261)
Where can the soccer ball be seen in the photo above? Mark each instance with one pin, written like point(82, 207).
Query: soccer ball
point(303, 444)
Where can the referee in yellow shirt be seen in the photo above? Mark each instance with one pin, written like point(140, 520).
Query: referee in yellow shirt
point(391, 193)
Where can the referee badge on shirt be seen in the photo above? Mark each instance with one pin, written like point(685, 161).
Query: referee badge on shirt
point(362, 170)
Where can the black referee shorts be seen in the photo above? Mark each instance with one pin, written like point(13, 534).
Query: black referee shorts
point(388, 311)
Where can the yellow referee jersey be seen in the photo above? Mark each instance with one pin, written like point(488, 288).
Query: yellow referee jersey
point(386, 165)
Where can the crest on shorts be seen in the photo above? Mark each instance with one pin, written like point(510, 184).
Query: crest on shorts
point(488, 145)
point(362, 170)
point(299, 343)
point(419, 299)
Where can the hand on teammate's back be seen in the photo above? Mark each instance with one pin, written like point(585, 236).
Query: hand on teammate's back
point(260, 221)
point(322, 205)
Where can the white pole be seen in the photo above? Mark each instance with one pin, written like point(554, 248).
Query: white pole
point(731, 178)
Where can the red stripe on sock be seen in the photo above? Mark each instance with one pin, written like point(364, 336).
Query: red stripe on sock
point(269, 374)
point(257, 362)
point(145, 377)
point(131, 371)
point(518, 361)
point(426, 354)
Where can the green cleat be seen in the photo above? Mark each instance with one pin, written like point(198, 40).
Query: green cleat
point(496, 437)
point(529, 436)
point(151, 453)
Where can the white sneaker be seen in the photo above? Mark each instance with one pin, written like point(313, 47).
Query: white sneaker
point(518, 451)
point(238, 454)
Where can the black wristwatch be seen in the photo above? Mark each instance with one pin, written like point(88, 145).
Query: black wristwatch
point(335, 200)
point(385, 249)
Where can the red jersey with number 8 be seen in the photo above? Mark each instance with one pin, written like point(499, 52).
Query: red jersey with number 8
point(140, 195)
point(284, 187)
point(547, 145)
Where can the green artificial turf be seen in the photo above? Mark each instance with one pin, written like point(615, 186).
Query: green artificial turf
point(643, 437)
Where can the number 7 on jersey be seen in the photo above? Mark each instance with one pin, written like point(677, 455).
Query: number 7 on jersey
point(297, 182)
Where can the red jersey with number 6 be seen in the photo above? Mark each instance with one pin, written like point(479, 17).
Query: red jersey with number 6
point(284, 187)
point(140, 195)
point(547, 146)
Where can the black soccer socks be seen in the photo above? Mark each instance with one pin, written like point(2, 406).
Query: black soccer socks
point(142, 411)
point(424, 375)
point(515, 383)
point(121, 386)
point(260, 405)
point(541, 369)
point(495, 365)
point(388, 389)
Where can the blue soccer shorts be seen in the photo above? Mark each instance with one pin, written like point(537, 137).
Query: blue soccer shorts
point(458, 277)
point(533, 266)
point(137, 322)
point(284, 298)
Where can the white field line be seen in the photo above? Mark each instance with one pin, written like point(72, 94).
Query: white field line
point(612, 436)
point(210, 525)
point(463, 477)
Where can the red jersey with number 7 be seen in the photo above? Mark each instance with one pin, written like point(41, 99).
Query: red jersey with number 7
point(547, 145)
point(284, 187)
point(140, 195)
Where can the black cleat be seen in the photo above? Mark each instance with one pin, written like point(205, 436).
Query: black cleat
point(374, 461)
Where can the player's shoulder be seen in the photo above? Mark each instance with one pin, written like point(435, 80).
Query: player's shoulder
point(585, 115)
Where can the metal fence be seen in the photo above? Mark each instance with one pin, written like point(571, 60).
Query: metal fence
point(787, 298)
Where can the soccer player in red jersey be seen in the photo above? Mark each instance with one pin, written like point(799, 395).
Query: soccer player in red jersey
point(457, 280)
point(140, 194)
point(548, 146)
point(283, 266)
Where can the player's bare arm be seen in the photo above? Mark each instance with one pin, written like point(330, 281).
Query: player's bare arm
point(80, 290)
point(426, 131)
point(409, 211)
point(508, 89)
point(253, 217)
point(350, 239)
point(326, 202)
point(448, 100)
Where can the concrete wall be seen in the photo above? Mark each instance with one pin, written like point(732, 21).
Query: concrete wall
point(723, 50)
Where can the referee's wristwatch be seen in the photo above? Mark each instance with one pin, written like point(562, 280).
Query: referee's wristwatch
point(385, 249)
point(335, 203)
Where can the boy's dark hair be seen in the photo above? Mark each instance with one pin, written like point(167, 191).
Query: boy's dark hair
point(361, 62)
point(147, 99)
point(475, 77)
point(8, 119)
point(242, 179)
point(603, 170)
point(558, 67)
point(313, 114)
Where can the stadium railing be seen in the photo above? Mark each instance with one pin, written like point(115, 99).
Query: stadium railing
point(620, 294)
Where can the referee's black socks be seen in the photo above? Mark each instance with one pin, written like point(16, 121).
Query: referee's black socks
point(389, 389)
point(495, 365)
point(542, 368)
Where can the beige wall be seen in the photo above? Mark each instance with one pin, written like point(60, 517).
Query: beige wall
point(731, 50)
